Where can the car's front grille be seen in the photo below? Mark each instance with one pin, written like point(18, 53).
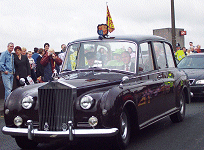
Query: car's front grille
point(55, 106)
point(191, 81)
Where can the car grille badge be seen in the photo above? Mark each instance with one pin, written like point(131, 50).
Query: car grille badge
point(46, 126)
point(64, 126)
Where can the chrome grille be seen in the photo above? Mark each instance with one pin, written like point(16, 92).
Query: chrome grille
point(55, 106)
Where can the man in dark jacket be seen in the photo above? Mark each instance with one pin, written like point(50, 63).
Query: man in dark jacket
point(40, 68)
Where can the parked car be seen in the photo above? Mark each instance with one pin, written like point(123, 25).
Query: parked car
point(193, 65)
point(101, 91)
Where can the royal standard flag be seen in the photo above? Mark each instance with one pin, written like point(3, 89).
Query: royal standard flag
point(109, 21)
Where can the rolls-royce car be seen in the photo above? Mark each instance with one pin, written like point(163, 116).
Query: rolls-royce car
point(108, 87)
point(193, 65)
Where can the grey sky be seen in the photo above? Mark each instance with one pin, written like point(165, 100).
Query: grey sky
point(32, 23)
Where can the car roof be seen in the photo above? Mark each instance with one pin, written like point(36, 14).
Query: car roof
point(196, 54)
point(134, 38)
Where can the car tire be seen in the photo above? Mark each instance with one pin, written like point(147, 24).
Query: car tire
point(123, 136)
point(25, 143)
point(179, 116)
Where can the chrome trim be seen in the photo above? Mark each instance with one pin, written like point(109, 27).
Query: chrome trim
point(56, 134)
point(191, 94)
point(30, 129)
point(160, 117)
point(70, 124)
point(69, 85)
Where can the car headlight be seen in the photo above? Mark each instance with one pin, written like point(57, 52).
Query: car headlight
point(27, 102)
point(86, 102)
point(18, 121)
point(200, 82)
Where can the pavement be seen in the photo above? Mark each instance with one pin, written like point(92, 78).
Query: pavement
point(1, 107)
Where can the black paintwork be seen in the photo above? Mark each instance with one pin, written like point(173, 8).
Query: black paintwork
point(148, 96)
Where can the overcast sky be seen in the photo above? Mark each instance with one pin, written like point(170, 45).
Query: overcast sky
point(31, 23)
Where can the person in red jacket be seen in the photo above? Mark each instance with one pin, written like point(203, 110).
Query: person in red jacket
point(51, 62)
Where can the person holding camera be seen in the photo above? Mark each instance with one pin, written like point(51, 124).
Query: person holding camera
point(51, 62)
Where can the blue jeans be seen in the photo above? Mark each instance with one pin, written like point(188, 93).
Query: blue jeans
point(8, 83)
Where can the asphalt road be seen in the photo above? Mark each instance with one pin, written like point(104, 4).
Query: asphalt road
point(163, 135)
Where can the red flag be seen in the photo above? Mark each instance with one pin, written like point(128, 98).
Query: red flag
point(109, 21)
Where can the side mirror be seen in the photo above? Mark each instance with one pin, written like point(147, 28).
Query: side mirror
point(125, 79)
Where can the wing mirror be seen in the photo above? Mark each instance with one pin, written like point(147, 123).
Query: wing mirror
point(125, 79)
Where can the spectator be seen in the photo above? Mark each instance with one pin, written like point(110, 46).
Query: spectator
point(197, 49)
point(189, 52)
point(184, 50)
point(46, 47)
point(35, 55)
point(32, 66)
point(39, 67)
point(63, 48)
point(62, 54)
point(7, 69)
point(179, 54)
point(23, 51)
point(22, 66)
point(51, 62)
point(191, 46)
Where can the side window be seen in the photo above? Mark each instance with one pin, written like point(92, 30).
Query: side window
point(169, 55)
point(160, 55)
point(145, 58)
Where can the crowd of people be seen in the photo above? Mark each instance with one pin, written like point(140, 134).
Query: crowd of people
point(181, 53)
point(27, 66)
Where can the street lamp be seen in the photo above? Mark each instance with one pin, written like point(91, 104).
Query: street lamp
point(173, 25)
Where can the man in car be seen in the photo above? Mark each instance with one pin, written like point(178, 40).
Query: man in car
point(128, 65)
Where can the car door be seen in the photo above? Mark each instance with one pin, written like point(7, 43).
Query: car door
point(166, 67)
point(150, 86)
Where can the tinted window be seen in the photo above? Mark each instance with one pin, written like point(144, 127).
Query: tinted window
point(160, 55)
point(145, 58)
point(169, 55)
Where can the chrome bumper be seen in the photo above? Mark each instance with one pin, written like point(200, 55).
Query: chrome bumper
point(30, 132)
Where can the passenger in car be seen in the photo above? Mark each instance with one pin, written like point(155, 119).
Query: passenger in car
point(116, 62)
point(128, 65)
point(91, 57)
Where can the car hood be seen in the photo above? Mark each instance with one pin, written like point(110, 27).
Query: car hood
point(82, 82)
point(194, 73)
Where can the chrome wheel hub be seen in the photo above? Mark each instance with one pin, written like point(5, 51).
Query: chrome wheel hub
point(123, 125)
point(182, 105)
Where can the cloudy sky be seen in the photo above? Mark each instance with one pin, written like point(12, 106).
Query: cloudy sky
point(31, 23)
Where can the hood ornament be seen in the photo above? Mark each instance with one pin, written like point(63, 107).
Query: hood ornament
point(55, 75)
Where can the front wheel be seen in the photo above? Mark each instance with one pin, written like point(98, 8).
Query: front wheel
point(179, 116)
point(123, 137)
point(25, 143)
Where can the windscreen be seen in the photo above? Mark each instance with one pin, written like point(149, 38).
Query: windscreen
point(112, 55)
point(196, 62)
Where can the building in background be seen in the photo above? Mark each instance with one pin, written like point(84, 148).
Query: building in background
point(167, 33)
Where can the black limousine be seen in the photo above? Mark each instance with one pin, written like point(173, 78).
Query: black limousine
point(133, 79)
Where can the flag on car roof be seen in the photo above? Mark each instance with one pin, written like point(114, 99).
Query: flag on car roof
point(109, 21)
